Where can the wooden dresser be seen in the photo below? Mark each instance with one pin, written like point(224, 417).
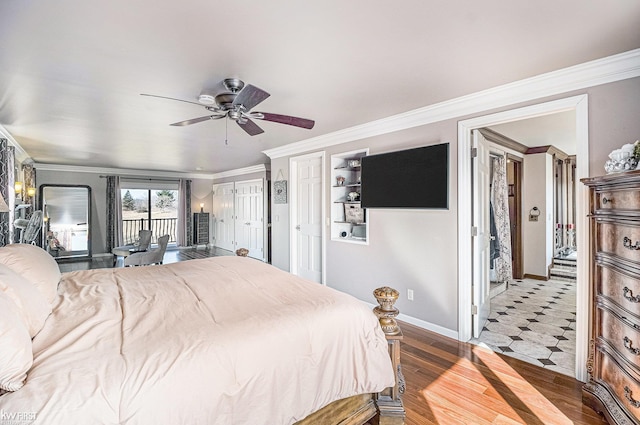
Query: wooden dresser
point(613, 387)
point(201, 228)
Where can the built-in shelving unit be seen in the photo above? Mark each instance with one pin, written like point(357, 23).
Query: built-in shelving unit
point(348, 218)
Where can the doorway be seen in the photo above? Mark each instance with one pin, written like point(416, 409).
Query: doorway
point(465, 255)
point(307, 212)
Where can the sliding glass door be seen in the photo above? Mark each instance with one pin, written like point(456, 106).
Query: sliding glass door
point(154, 209)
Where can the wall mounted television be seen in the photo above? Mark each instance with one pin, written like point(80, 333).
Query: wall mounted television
point(412, 178)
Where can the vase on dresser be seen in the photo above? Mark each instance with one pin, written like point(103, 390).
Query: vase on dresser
point(613, 387)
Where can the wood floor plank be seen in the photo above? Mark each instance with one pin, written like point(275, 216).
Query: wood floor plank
point(449, 382)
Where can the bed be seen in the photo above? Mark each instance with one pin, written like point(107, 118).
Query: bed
point(224, 340)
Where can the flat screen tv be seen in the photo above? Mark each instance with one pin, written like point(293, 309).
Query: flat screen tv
point(413, 178)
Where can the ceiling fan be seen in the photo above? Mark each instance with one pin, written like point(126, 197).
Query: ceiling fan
point(236, 104)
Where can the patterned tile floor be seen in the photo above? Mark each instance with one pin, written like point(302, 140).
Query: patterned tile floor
point(534, 321)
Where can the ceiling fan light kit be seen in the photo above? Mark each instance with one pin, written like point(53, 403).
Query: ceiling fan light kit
point(236, 105)
point(207, 99)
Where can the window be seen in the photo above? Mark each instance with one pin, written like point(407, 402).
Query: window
point(151, 206)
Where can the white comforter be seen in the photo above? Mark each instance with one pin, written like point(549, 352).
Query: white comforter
point(225, 340)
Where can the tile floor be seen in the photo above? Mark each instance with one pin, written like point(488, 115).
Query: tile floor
point(534, 321)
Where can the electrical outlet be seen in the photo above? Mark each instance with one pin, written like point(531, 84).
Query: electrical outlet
point(410, 294)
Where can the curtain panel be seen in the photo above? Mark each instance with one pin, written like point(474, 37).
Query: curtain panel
point(185, 218)
point(114, 213)
point(29, 181)
point(7, 183)
point(500, 202)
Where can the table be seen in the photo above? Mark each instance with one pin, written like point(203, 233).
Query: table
point(124, 252)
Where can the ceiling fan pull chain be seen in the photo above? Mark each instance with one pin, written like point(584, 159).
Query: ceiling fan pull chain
point(226, 132)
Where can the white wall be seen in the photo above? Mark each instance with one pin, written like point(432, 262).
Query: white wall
point(201, 189)
point(418, 249)
point(404, 244)
point(537, 191)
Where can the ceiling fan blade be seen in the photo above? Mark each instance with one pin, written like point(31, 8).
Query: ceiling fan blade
point(286, 119)
point(170, 98)
point(197, 120)
point(250, 127)
point(250, 96)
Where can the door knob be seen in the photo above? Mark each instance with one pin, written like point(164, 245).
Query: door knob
point(298, 227)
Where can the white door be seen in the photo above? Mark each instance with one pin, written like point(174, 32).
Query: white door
point(307, 221)
point(223, 216)
point(250, 217)
point(481, 284)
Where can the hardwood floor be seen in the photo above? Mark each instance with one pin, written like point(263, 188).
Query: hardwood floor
point(450, 382)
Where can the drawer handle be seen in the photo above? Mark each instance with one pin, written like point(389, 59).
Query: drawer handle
point(629, 295)
point(605, 201)
point(628, 396)
point(627, 345)
point(627, 244)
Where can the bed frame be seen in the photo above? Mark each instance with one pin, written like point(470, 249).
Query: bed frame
point(383, 408)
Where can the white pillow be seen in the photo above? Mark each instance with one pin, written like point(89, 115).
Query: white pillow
point(16, 352)
point(32, 305)
point(35, 265)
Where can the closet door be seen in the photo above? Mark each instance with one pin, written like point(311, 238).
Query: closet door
point(223, 216)
point(249, 202)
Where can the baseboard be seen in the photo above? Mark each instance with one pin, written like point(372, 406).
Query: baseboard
point(535, 277)
point(423, 324)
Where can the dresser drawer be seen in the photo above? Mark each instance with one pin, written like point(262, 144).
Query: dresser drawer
point(618, 200)
point(624, 387)
point(619, 287)
point(621, 240)
point(623, 337)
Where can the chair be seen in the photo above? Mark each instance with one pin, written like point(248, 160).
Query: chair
point(153, 256)
point(144, 240)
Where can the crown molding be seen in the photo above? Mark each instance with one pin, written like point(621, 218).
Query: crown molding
point(21, 154)
point(589, 74)
point(502, 140)
point(149, 173)
point(260, 168)
point(120, 171)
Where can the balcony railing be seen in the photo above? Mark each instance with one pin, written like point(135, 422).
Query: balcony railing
point(159, 227)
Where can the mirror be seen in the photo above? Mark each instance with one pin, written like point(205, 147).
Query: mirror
point(67, 220)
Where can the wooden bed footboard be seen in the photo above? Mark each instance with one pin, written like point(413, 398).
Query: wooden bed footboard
point(384, 408)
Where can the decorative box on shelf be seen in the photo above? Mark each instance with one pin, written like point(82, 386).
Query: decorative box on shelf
point(353, 213)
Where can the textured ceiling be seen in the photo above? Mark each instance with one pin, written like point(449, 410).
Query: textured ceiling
point(71, 71)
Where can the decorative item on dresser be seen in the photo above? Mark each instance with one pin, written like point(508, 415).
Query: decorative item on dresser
point(613, 387)
point(201, 228)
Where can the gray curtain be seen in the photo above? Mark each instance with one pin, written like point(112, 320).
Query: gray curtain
point(7, 183)
point(185, 220)
point(500, 202)
point(114, 213)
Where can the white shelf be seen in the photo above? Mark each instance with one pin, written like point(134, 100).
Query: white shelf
point(341, 229)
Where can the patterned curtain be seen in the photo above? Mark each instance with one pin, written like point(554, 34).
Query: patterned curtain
point(29, 182)
point(7, 183)
point(114, 213)
point(185, 220)
point(500, 202)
